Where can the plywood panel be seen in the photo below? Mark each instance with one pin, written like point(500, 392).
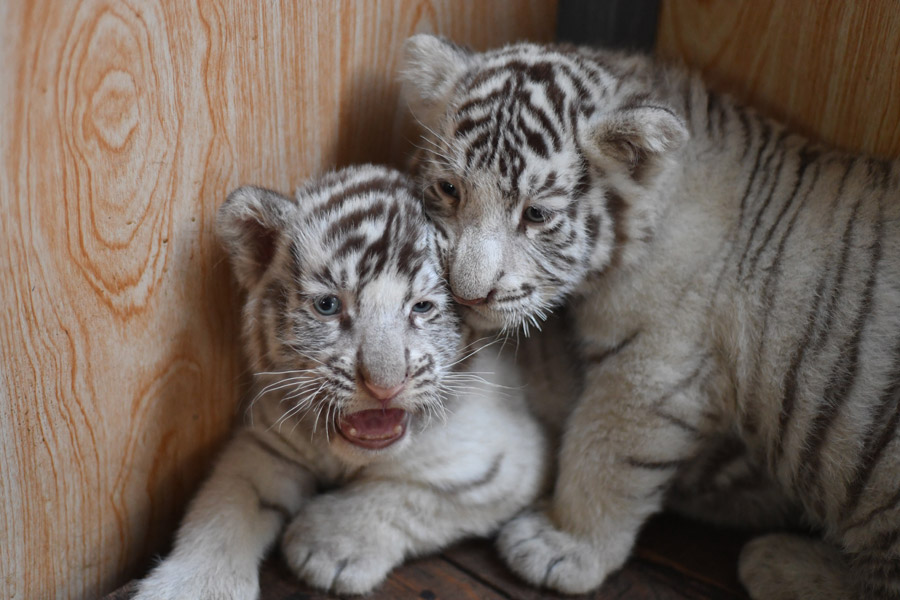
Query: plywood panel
point(123, 126)
point(831, 68)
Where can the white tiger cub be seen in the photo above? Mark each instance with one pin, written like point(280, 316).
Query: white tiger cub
point(364, 442)
point(729, 280)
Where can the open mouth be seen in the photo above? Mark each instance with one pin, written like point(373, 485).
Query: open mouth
point(373, 429)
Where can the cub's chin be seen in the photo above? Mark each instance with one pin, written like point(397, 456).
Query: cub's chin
point(366, 435)
point(485, 319)
point(482, 319)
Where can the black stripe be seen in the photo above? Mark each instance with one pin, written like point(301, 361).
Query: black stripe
point(353, 219)
point(688, 102)
point(790, 379)
point(684, 383)
point(805, 159)
point(711, 102)
point(875, 444)
point(467, 486)
point(469, 124)
point(494, 96)
point(426, 366)
point(789, 383)
point(677, 421)
point(378, 184)
point(765, 136)
point(770, 284)
point(653, 465)
point(598, 358)
point(892, 503)
point(768, 199)
point(263, 504)
point(546, 124)
point(352, 244)
point(763, 142)
point(843, 376)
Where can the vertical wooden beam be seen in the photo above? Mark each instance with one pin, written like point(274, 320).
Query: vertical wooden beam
point(628, 24)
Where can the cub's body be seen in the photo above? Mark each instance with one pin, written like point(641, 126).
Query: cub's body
point(736, 299)
point(374, 434)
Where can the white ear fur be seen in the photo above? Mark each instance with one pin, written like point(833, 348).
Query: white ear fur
point(637, 136)
point(431, 66)
point(249, 225)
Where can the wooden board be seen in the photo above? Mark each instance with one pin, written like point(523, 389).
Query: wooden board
point(124, 124)
point(830, 68)
point(665, 567)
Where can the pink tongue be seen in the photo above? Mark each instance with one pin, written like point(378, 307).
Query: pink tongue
point(373, 423)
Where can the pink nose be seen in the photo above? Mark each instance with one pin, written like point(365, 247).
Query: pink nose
point(470, 302)
point(384, 394)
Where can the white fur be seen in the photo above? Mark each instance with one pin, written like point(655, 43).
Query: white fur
point(472, 455)
point(702, 304)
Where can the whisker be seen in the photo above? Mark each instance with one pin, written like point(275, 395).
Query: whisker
point(470, 354)
point(276, 386)
point(287, 372)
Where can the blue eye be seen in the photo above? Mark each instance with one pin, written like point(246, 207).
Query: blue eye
point(422, 307)
point(327, 305)
point(535, 214)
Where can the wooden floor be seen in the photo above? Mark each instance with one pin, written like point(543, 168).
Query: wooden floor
point(675, 560)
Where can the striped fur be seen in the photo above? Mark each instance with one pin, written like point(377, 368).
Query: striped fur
point(730, 280)
point(469, 455)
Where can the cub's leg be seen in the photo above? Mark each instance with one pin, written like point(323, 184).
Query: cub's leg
point(859, 558)
point(348, 541)
point(468, 477)
point(254, 488)
point(636, 424)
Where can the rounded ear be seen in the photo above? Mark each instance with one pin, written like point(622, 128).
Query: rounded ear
point(638, 138)
point(431, 65)
point(249, 224)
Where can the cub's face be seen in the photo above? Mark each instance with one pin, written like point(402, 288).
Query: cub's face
point(530, 158)
point(347, 319)
point(515, 238)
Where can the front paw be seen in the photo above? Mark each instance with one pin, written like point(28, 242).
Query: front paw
point(545, 556)
point(337, 554)
point(176, 581)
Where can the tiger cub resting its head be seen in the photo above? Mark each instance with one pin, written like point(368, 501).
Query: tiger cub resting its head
point(728, 279)
point(356, 349)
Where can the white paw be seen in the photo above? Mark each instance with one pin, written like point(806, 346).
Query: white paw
point(792, 567)
point(344, 556)
point(545, 556)
point(174, 581)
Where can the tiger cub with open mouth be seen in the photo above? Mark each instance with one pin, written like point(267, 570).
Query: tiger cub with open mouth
point(369, 440)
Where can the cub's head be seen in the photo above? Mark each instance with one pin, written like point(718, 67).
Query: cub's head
point(538, 165)
point(347, 320)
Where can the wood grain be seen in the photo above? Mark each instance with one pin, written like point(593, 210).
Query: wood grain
point(830, 68)
point(124, 124)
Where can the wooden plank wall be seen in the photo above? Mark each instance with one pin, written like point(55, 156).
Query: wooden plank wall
point(124, 124)
point(831, 68)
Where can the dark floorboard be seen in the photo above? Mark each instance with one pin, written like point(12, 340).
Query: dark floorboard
point(675, 560)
